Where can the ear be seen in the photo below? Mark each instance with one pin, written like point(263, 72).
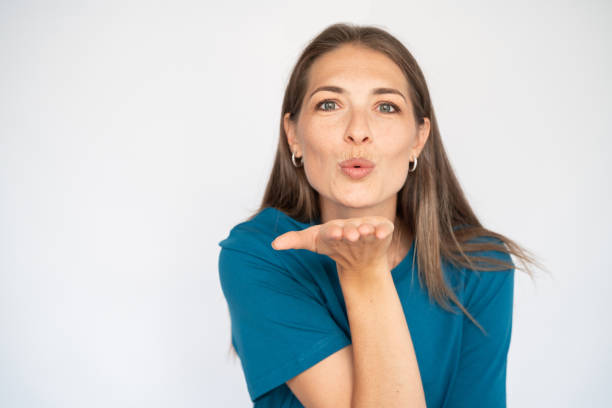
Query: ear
point(422, 135)
point(289, 127)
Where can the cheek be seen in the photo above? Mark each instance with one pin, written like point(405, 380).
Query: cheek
point(399, 161)
point(320, 161)
point(318, 149)
point(317, 165)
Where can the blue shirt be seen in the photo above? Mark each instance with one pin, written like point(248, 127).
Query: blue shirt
point(288, 313)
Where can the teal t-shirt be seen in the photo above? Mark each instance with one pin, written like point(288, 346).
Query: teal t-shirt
point(288, 313)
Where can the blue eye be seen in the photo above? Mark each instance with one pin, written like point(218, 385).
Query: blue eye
point(324, 103)
point(395, 108)
point(392, 108)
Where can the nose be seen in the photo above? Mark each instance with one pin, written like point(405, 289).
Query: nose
point(358, 130)
point(358, 138)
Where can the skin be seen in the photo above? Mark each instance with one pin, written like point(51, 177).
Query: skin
point(380, 367)
point(332, 127)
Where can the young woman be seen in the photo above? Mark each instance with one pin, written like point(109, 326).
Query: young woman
point(324, 308)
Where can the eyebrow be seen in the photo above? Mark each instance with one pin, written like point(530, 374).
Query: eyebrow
point(375, 91)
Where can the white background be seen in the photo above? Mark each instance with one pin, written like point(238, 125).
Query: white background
point(135, 134)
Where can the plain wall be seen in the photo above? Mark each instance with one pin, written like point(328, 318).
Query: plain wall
point(135, 134)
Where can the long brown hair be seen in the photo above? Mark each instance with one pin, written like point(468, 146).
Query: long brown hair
point(431, 203)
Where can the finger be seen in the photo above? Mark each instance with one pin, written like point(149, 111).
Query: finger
point(297, 239)
point(288, 240)
point(350, 232)
point(366, 229)
point(367, 232)
point(383, 230)
point(333, 233)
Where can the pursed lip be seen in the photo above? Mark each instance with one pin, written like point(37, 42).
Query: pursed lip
point(358, 162)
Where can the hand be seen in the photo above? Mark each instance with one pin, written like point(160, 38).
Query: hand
point(358, 245)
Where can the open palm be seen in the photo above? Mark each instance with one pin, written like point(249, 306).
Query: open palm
point(358, 245)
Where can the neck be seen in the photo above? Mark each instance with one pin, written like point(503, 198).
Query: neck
point(400, 244)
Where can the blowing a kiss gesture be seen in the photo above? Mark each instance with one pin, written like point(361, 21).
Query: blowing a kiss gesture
point(358, 245)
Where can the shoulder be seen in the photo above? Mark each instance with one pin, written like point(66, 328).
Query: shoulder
point(260, 230)
point(249, 242)
point(500, 253)
point(247, 260)
point(482, 287)
point(255, 278)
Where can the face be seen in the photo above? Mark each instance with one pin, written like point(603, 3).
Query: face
point(354, 120)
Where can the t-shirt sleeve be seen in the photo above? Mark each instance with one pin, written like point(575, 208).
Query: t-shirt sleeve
point(480, 380)
point(280, 325)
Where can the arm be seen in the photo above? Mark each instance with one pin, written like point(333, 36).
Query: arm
point(386, 373)
point(380, 368)
point(280, 326)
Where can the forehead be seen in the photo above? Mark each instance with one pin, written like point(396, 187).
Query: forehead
point(356, 65)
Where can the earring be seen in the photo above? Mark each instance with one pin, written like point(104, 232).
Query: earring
point(415, 164)
point(293, 160)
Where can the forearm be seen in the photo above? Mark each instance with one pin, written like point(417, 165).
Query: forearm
point(386, 373)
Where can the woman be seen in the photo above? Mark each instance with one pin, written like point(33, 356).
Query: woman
point(319, 281)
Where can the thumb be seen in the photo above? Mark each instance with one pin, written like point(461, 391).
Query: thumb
point(297, 239)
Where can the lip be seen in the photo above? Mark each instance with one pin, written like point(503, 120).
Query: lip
point(357, 168)
point(357, 172)
point(357, 162)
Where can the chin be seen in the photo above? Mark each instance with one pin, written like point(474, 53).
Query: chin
point(357, 202)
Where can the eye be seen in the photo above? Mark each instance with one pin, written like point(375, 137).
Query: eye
point(392, 106)
point(387, 106)
point(326, 102)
